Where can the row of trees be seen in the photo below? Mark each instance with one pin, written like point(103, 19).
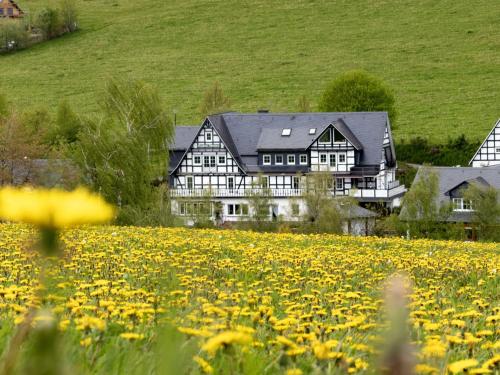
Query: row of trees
point(47, 23)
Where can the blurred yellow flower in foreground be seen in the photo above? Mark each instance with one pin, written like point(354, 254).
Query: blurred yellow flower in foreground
point(54, 208)
point(224, 339)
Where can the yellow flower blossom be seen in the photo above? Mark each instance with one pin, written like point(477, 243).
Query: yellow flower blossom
point(459, 366)
point(53, 208)
point(226, 338)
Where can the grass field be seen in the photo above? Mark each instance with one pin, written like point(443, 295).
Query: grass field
point(139, 300)
point(441, 58)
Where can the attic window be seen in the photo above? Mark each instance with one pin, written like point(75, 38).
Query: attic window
point(312, 131)
point(286, 132)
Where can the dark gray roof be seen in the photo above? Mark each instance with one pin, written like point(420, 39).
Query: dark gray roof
point(452, 177)
point(184, 136)
point(245, 134)
point(360, 212)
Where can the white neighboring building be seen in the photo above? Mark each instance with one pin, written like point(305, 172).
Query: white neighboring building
point(488, 153)
point(227, 154)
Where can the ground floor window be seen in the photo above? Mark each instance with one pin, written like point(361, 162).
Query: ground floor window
point(339, 184)
point(295, 209)
point(195, 208)
point(237, 209)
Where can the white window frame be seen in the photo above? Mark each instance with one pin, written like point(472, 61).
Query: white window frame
point(344, 156)
point(219, 159)
point(286, 132)
point(189, 178)
point(264, 159)
point(276, 159)
point(300, 159)
point(339, 186)
point(238, 209)
point(328, 131)
point(326, 158)
point(460, 205)
point(264, 182)
point(334, 157)
point(213, 161)
point(206, 161)
point(208, 136)
point(230, 178)
point(497, 150)
point(295, 182)
point(312, 131)
point(290, 159)
point(194, 160)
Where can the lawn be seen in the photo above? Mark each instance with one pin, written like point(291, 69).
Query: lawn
point(441, 58)
point(144, 300)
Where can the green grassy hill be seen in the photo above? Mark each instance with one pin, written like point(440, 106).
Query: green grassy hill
point(442, 58)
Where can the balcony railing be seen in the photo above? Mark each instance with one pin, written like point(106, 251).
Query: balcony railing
point(395, 190)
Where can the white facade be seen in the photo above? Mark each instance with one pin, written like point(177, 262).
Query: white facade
point(488, 153)
point(208, 171)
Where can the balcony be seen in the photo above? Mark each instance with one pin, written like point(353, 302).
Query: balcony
point(395, 189)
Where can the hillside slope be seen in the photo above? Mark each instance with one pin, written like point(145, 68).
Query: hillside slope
point(440, 57)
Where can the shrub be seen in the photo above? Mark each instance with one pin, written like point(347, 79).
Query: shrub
point(13, 35)
point(69, 16)
point(358, 91)
point(49, 22)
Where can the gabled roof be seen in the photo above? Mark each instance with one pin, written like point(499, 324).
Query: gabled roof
point(14, 4)
point(184, 136)
point(485, 140)
point(472, 181)
point(247, 134)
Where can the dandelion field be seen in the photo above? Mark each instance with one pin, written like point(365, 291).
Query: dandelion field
point(150, 300)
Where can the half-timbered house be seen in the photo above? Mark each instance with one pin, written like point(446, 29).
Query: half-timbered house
point(10, 9)
point(488, 153)
point(232, 155)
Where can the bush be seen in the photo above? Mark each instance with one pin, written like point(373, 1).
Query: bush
point(358, 91)
point(49, 22)
point(456, 151)
point(69, 16)
point(13, 35)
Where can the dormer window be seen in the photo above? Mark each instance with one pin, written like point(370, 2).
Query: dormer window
point(266, 159)
point(326, 137)
point(312, 131)
point(286, 132)
point(460, 204)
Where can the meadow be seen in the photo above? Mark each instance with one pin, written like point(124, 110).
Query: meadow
point(441, 58)
point(150, 300)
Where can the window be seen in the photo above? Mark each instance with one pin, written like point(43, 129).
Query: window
point(497, 150)
point(1, 11)
point(303, 159)
point(333, 161)
point(286, 132)
point(296, 182)
point(197, 160)
point(290, 159)
point(341, 158)
point(237, 209)
point(206, 161)
point(295, 209)
point(212, 161)
point(459, 204)
point(322, 158)
point(10, 11)
point(339, 184)
point(189, 182)
point(312, 131)
point(230, 182)
point(326, 137)
point(264, 182)
point(222, 160)
point(266, 159)
point(208, 136)
point(338, 137)
point(278, 159)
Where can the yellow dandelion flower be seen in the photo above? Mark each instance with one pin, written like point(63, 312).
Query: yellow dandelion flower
point(54, 208)
point(204, 365)
point(131, 336)
point(294, 371)
point(224, 339)
point(459, 366)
